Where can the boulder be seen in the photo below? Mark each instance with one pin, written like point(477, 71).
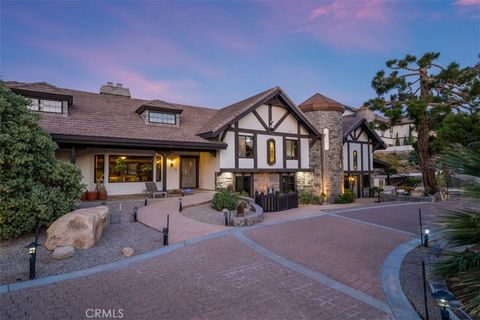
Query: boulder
point(127, 252)
point(80, 229)
point(61, 253)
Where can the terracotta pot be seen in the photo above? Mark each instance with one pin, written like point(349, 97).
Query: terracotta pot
point(102, 195)
point(91, 195)
point(83, 197)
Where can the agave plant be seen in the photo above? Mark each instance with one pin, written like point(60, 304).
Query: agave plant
point(460, 264)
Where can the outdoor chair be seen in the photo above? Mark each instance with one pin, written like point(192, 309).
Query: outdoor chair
point(151, 187)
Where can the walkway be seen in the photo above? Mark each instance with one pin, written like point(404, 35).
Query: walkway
point(323, 266)
point(181, 227)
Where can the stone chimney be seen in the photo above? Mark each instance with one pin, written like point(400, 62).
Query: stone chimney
point(366, 113)
point(326, 157)
point(116, 90)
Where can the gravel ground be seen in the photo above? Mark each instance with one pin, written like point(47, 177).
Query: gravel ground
point(204, 213)
point(14, 263)
point(412, 283)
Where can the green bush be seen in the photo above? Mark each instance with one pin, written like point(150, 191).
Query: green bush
point(34, 186)
point(307, 197)
point(347, 197)
point(375, 191)
point(224, 199)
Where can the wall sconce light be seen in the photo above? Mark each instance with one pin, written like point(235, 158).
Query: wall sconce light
point(350, 179)
point(170, 162)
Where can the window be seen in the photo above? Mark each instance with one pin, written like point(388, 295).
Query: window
point(326, 139)
point(99, 167)
point(355, 160)
point(158, 163)
point(130, 169)
point(271, 152)
point(288, 182)
point(245, 146)
point(43, 105)
point(243, 183)
point(161, 117)
point(292, 149)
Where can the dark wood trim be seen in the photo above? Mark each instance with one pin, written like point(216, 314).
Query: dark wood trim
point(361, 170)
point(284, 141)
point(270, 118)
point(260, 120)
point(135, 143)
point(359, 142)
point(369, 155)
point(272, 133)
point(255, 151)
point(264, 170)
point(159, 109)
point(197, 165)
point(224, 134)
point(299, 153)
point(236, 145)
point(285, 115)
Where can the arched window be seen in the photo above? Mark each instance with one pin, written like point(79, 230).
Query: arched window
point(355, 160)
point(271, 159)
point(326, 139)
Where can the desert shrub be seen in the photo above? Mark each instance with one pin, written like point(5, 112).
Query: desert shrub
point(375, 191)
point(224, 199)
point(347, 197)
point(34, 186)
point(307, 197)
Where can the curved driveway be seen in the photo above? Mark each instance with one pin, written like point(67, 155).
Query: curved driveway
point(324, 266)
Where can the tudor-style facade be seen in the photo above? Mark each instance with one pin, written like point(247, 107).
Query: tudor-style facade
point(359, 143)
point(264, 141)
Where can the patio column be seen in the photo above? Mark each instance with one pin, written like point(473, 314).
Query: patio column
point(73, 156)
point(164, 169)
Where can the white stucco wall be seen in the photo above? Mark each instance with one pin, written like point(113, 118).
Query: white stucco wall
point(227, 156)
point(208, 166)
point(250, 121)
point(262, 152)
point(289, 125)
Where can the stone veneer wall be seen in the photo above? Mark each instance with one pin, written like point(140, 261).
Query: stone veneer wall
point(262, 181)
point(333, 168)
point(223, 180)
point(305, 181)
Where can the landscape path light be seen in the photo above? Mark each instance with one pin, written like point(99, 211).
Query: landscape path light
point(425, 237)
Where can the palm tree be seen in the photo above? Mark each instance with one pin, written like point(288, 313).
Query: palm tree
point(460, 264)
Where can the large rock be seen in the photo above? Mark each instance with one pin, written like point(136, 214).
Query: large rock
point(127, 252)
point(80, 229)
point(61, 253)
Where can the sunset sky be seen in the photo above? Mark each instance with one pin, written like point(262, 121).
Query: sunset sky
point(215, 53)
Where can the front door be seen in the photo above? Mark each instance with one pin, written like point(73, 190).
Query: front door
point(188, 172)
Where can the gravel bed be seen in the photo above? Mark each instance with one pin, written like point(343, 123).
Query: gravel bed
point(204, 213)
point(411, 279)
point(14, 263)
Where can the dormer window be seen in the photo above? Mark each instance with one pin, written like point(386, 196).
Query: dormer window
point(44, 105)
point(161, 117)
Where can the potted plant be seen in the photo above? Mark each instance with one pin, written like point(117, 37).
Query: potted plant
point(145, 171)
point(83, 196)
point(91, 195)
point(120, 167)
point(100, 189)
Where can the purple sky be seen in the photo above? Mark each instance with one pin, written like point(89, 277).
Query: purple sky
point(215, 53)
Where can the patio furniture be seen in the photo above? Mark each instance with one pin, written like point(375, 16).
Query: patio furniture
point(151, 187)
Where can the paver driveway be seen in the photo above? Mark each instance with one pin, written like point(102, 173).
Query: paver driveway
point(324, 267)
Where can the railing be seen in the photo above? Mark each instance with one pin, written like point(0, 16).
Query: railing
point(276, 201)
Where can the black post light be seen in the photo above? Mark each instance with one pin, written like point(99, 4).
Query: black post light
point(135, 212)
point(443, 299)
point(165, 231)
point(421, 225)
point(426, 232)
point(180, 204)
point(32, 251)
point(146, 201)
point(225, 214)
point(425, 301)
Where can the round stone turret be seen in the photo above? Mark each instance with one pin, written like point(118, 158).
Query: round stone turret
point(326, 159)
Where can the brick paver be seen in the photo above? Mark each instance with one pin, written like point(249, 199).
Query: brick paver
point(350, 252)
point(214, 279)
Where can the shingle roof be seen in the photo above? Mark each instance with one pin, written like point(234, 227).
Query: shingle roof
point(227, 114)
point(319, 102)
point(101, 115)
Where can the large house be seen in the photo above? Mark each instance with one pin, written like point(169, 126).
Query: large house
point(264, 141)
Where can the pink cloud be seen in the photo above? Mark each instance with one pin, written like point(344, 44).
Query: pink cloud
point(468, 2)
point(369, 24)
